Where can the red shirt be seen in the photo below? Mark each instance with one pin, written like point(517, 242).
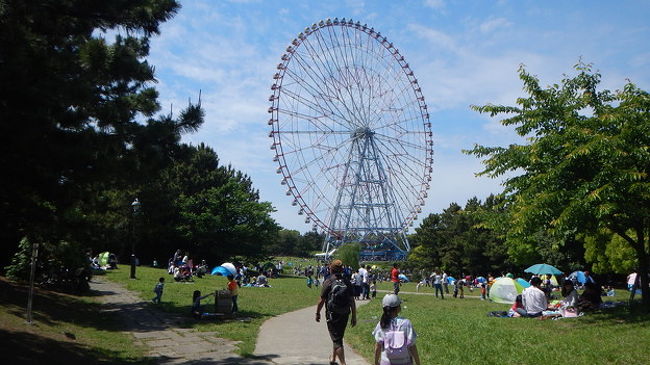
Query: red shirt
point(394, 275)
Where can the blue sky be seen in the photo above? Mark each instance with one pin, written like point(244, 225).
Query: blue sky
point(462, 52)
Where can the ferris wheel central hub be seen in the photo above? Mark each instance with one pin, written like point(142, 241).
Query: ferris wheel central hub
point(363, 132)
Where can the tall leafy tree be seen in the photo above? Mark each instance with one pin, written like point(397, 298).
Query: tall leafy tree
point(80, 113)
point(585, 166)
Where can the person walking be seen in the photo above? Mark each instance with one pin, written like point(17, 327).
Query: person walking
point(437, 284)
point(337, 298)
point(365, 282)
point(158, 289)
point(394, 277)
point(445, 282)
point(394, 336)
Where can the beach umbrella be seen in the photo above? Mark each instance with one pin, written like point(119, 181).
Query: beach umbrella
point(540, 269)
point(505, 290)
point(522, 282)
point(578, 276)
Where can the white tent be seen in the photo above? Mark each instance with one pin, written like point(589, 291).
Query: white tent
point(325, 255)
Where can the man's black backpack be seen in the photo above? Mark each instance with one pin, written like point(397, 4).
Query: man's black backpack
point(338, 300)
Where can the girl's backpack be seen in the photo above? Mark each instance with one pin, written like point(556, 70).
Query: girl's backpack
point(395, 342)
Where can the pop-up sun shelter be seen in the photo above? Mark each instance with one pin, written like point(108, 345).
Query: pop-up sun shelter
point(103, 258)
point(505, 290)
point(225, 269)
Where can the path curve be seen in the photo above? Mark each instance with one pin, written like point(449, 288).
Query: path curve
point(161, 332)
point(296, 338)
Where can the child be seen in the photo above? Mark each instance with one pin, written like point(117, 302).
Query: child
point(394, 336)
point(422, 283)
point(517, 309)
point(233, 287)
point(373, 289)
point(483, 291)
point(197, 310)
point(158, 289)
point(309, 282)
point(316, 282)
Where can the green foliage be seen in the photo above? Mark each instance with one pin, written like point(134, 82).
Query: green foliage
point(585, 166)
point(610, 253)
point(19, 269)
point(349, 254)
point(51, 258)
point(80, 111)
point(459, 242)
point(292, 243)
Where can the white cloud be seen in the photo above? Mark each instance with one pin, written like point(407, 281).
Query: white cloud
point(435, 4)
point(492, 24)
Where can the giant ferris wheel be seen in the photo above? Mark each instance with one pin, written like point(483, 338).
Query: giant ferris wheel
point(351, 136)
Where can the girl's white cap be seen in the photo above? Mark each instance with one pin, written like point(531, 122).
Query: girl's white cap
point(391, 300)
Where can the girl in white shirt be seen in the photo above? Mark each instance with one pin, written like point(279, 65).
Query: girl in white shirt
point(394, 336)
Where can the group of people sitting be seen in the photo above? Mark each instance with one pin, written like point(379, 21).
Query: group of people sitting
point(183, 268)
point(533, 301)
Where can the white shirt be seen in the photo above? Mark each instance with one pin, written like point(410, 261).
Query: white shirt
point(570, 300)
point(397, 324)
point(534, 300)
point(364, 275)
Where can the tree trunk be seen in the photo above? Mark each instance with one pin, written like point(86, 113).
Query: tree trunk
point(644, 264)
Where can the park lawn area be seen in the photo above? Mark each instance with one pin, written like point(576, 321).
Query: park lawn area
point(458, 331)
point(256, 305)
point(97, 338)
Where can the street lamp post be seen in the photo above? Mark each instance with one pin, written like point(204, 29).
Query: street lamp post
point(136, 210)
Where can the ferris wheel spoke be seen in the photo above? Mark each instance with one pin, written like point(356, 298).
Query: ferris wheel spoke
point(315, 107)
point(317, 94)
point(345, 70)
point(327, 68)
point(402, 142)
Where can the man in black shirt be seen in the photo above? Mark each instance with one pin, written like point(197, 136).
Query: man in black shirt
point(337, 297)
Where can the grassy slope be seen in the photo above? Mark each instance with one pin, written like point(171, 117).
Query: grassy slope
point(258, 304)
point(455, 331)
point(97, 338)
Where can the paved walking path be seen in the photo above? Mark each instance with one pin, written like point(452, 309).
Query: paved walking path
point(296, 338)
point(292, 338)
point(161, 332)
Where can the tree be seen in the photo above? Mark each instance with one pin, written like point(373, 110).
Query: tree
point(80, 111)
point(585, 165)
point(349, 254)
point(458, 242)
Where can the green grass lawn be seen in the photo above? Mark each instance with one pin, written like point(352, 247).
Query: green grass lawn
point(91, 338)
point(255, 304)
point(458, 331)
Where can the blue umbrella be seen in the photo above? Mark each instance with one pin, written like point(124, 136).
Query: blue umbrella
point(403, 278)
point(539, 269)
point(578, 276)
point(450, 279)
point(523, 282)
